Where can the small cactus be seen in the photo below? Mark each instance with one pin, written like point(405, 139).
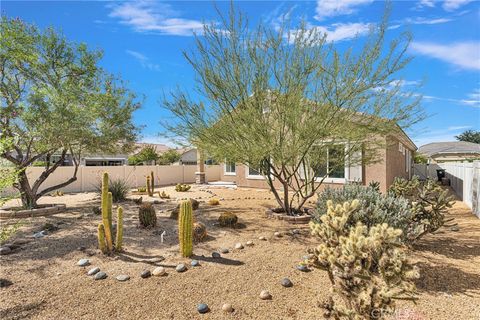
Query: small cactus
point(149, 187)
point(199, 232)
point(213, 202)
point(228, 219)
point(185, 229)
point(119, 240)
point(147, 216)
point(163, 195)
point(182, 187)
point(152, 181)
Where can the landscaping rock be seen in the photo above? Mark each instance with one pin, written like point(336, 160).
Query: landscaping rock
point(262, 238)
point(40, 234)
point(93, 271)
point(224, 250)
point(159, 271)
point(202, 308)
point(249, 243)
point(83, 262)
point(195, 263)
point(145, 274)
point(277, 234)
point(123, 277)
point(5, 250)
point(238, 246)
point(227, 307)
point(265, 295)
point(216, 255)
point(100, 275)
point(302, 268)
point(455, 228)
point(286, 283)
point(181, 268)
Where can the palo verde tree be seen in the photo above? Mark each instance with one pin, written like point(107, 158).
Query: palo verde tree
point(290, 104)
point(56, 102)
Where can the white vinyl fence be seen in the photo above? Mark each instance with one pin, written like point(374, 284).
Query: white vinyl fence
point(464, 179)
point(89, 177)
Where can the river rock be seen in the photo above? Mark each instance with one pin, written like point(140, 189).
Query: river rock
point(262, 238)
point(302, 268)
point(286, 283)
point(238, 246)
point(202, 308)
point(93, 271)
point(159, 271)
point(181, 268)
point(216, 255)
point(265, 295)
point(145, 274)
point(123, 277)
point(224, 250)
point(83, 262)
point(249, 243)
point(5, 250)
point(227, 307)
point(195, 263)
point(100, 275)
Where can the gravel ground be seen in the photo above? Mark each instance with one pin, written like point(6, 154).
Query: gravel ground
point(47, 283)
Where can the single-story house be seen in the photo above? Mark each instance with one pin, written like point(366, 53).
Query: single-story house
point(396, 161)
point(438, 152)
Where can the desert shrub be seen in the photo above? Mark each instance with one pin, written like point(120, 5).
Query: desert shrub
point(6, 232)
point(199, 232)
point(118, 187)
point(57, 193)
point(182, 187)
point(375, 185)
point(174, 212)
point(374, 208)
point(142, 189)
point(147, 216)
point(228, 219)
point(214, 202)
point(163, 195)
point(429, 203)
point(367, 266)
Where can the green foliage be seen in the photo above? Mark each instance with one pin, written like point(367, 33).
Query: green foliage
point(373, 208)
point(119, 189)
point(469, 136)
point(374, 185)
point(105, 238)
point(119, 238)
point(185, 229)
point(147, 216)
point(169, 157)
point(429, 203)
point(367, 266)
point(146, 155)
point(39, 164)
point(142, 189)
point(182, 187)
point(163, 195)
point(283, 121)
point(6, 232)
point(57, 100)
point(228, 219)
point(420, 158)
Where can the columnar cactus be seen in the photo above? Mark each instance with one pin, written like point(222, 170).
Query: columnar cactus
point(106, 212)
point(101, 238)
point(149, 187)
point(105, 237)
point(152, 181)
point(119, 240)
point(185, 229)
point(367, 267)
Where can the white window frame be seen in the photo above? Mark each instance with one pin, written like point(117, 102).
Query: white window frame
point(346, 170)
point(253, 176)
point(229, 173)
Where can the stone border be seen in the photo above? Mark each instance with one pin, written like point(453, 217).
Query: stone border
point(42, 210)
point(290, 219)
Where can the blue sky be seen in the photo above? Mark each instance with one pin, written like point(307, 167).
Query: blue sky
point(143, 43)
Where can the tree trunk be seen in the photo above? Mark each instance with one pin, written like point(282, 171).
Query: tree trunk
point(28, 196)
point(286, 200)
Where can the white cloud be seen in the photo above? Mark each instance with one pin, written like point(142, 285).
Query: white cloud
point(443, 135)
point(472, 99)
point(421, 20)
point(338, 31)
point(144, 61)
point(331, 8)
point(146, 16)
point(451, 5)
point(426, 3)
point(465, 55)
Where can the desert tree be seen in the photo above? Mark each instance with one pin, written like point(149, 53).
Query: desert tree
point(469, 136)
point(56, 101)
point(290, 104)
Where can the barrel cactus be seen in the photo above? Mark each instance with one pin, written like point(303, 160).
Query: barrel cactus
point(228, 219)
point(147, 216)
point(199, 232)
point(185, 229)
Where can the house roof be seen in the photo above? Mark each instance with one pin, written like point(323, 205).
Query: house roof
point(452, 147)
point(159, 148)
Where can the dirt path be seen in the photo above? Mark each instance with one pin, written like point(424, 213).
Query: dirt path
point(47, 284)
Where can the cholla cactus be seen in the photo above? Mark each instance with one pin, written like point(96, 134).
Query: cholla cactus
point(429, 203)
point(368, 268)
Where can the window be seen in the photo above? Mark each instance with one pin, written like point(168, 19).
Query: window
point(258, 173)
point(332, 163)
point(229, 168)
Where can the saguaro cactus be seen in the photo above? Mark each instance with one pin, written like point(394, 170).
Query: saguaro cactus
point(185, 229)
point(119, 240)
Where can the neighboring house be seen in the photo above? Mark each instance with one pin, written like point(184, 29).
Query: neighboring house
point(188, 156)
point(396, 161)
point(437, 152)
